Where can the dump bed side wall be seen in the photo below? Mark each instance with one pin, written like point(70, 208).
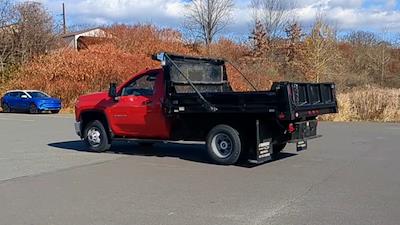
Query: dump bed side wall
point(225, 102)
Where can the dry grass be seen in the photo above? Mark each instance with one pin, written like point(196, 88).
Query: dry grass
point(368, 104)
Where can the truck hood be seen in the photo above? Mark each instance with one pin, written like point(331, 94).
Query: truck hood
point(93, 98)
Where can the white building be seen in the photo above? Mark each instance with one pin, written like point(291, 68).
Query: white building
point(72, 39)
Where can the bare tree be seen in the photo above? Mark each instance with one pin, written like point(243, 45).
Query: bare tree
point(7, 31)
point(259, 42)
point(35, 30)
point(293, 64)
point(206, 18)
point(380, 54)
point(362, 38)
point(26, 30)
point(360, 64)
point(274, 14)
point(322, 51)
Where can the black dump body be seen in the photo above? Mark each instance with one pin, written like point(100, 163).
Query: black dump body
point(200, 85)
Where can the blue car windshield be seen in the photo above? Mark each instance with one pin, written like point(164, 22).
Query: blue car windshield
point(37, 94)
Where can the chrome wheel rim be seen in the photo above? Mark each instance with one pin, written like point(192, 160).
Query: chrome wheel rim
point(94, 136)
point(222, 145)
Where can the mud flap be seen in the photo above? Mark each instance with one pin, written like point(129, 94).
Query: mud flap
point(263, 148)
point(301, 145)
point(263, 152)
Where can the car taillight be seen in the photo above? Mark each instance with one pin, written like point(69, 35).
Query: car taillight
point(291, 128)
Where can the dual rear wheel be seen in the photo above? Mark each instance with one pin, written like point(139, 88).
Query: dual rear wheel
point(225, 146)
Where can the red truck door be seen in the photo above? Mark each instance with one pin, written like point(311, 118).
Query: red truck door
point(138, 112)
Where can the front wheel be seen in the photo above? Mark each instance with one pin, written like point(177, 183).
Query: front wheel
point(33, 109)
point(224, 145)
point(96, 137)
point(55, 111)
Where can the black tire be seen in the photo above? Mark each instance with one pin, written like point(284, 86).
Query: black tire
point(33, 109)
point(55, 111)
point(6, 108)
point(276, 149)
point(95, 137)
point(224, 145)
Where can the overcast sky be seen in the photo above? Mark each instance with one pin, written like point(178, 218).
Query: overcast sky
point(371, 15)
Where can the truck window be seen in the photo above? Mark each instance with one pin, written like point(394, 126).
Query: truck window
point(143, 86)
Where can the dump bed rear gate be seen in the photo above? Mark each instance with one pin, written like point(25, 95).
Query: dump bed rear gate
point(305, 100)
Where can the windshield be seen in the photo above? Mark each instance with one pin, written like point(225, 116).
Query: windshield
point(37, 94)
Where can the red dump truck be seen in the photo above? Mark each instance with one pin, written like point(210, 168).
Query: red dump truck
point(190, 99)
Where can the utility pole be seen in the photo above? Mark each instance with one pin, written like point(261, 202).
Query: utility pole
point(64, 21)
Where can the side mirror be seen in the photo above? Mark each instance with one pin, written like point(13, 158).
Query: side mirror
point(24, 96)
point(112, 91)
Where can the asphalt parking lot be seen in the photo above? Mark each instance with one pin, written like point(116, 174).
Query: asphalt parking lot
point(349, 176)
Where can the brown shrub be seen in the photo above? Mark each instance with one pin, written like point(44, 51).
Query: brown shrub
point(260, 72)
point(227, 49)
point(68, 74)
point(147, 39)
point(369, 103)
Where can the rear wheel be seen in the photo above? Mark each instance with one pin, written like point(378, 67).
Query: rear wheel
point(96, 137)
point(55, 111)
point(33, 109)
point(224, 145)
point(6, 108)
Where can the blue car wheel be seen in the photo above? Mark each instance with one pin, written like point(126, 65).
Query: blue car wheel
point(6, 108)
point(33, 109)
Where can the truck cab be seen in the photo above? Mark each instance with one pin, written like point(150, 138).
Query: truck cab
point(190, 99)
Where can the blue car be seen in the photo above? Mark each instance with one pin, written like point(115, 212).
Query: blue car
point(31, 101)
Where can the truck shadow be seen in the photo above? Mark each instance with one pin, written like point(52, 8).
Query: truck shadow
point(190, 152)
